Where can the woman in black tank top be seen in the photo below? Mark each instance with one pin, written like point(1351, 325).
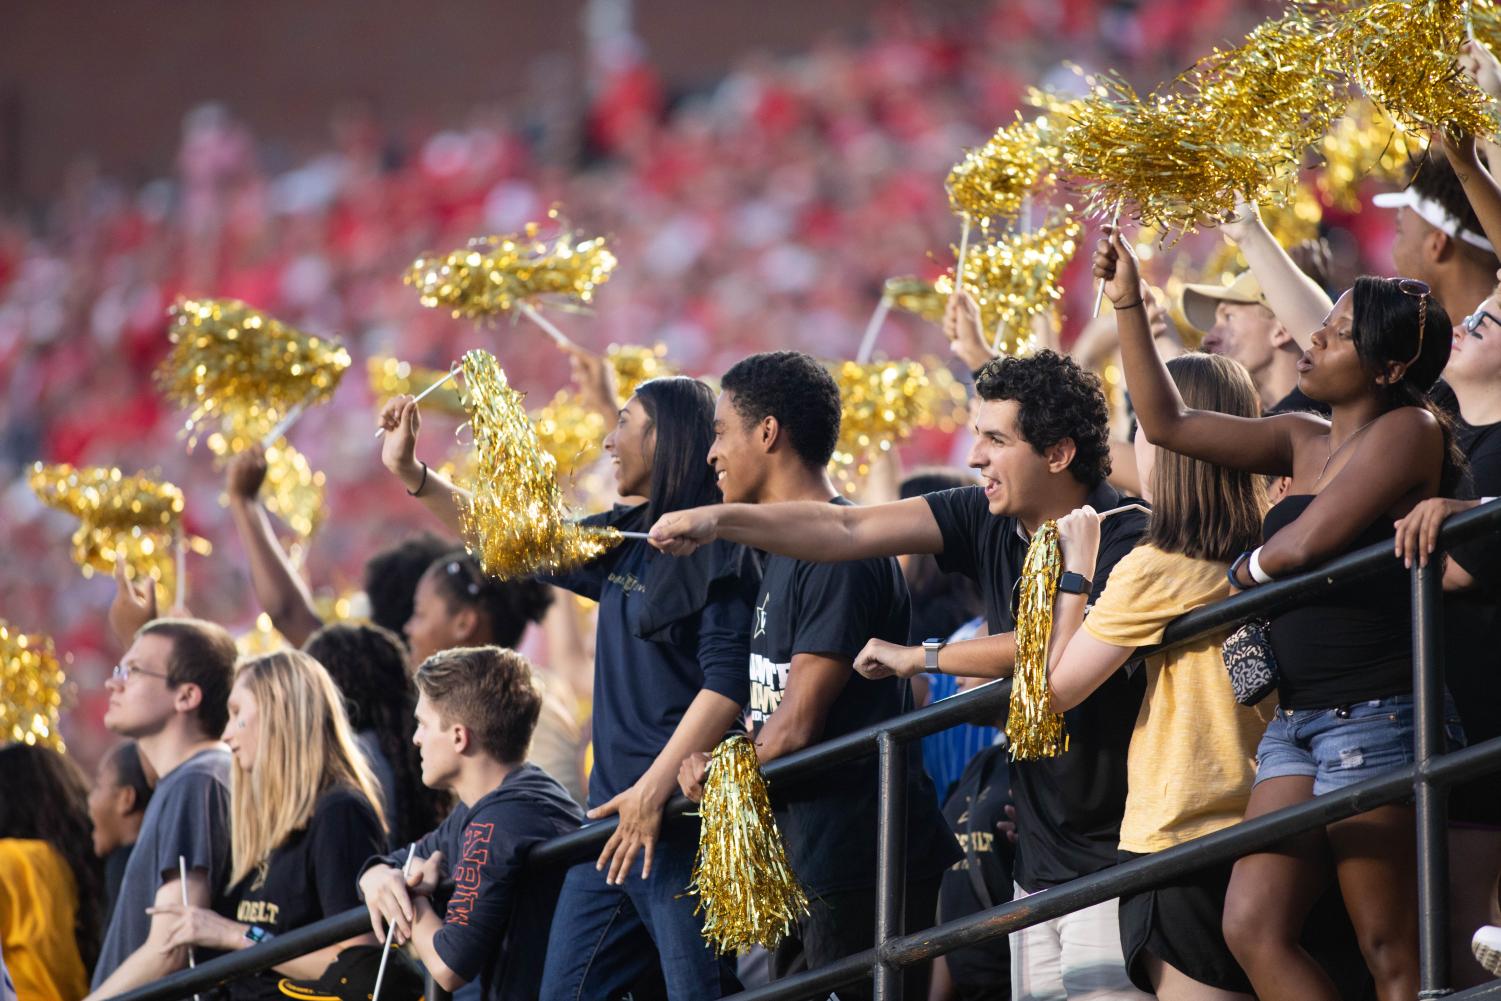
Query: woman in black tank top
point(1345, 697)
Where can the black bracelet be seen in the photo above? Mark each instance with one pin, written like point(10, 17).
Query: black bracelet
point(418, 491)
point(1235, 566)
point(1131, 305)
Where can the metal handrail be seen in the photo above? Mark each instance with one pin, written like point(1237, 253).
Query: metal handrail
point(985, 704)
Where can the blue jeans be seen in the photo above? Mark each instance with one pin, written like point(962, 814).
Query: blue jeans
point(605, 939)
point(1338, 747)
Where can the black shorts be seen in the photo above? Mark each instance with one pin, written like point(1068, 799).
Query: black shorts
point(1180, 925)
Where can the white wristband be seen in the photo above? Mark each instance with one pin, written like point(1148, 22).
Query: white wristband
point(1259, 575)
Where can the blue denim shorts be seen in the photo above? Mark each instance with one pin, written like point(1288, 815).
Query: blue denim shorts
point(1339, 747)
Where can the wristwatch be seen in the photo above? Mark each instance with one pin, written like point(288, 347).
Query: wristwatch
point(930, 648)
point(1074, 583)
point(255, 935)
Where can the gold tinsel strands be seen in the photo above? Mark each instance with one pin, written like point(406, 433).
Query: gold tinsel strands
point(1015, 278)
point(916, 296)
point(1402, 55)
point(572, 433)
point(1232, 127)
point(993, 181)
point(513, 520)
point(240, 371)
point(391, 377)
point(119, 515)
point(31, 689)
point(293, 490)
point(497, 274)
point(1365, 143)
point(748, 893)
point(1485, 23)
point(881, 402)
point(1035, 731)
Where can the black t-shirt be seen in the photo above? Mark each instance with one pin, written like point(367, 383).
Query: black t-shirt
point(310, 876)
point(496, 911)
point(1472, 622)
point(832, 609)
point(1068, 808)
point(973, 809)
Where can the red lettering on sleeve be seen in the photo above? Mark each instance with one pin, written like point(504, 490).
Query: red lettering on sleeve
point(466, 873)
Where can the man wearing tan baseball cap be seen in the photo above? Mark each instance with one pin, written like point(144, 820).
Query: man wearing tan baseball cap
point(1239, 324)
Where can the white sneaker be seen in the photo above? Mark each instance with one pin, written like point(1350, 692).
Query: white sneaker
point(1486, 945)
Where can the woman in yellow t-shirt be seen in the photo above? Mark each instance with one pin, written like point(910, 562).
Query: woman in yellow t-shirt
point(47, 869)
point(1192, 757)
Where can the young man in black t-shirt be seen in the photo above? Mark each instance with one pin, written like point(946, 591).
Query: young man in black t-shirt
point(1041, 451)
point(775, 427)
point(469, 905)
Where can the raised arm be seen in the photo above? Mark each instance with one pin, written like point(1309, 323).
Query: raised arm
point(279, 590)
point(1256, 445)
point(806, 530)
point(1479, 186)
point(1296, 299)
point(398, 453)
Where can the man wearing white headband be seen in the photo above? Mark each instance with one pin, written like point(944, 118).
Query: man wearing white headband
point(1439, 238)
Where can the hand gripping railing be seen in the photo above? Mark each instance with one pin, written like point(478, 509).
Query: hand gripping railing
point(1425, 780)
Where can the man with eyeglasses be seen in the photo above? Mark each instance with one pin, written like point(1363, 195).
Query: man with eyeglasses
point(170, 692)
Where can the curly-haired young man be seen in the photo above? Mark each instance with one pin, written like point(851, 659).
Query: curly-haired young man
point(1041, 450)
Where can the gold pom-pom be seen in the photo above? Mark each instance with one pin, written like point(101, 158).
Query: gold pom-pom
point(1233, 127)
point(497, 274)
point(1015, 278)
point(570, 432)
point(748, 893)
point(916, 296)
point(1402, 55)
point(31, 689)
point(241, 372)
point(513, 521)
point(293, 490)
point(391, 377)
point(634, 364)
point(1035, 731)
point(881, 402)
point(993, 181)
point(1364, 143)
point(120, 515)
point(943, 400)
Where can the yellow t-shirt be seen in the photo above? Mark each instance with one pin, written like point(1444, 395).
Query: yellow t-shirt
point(38, 901)
point(1193, 752)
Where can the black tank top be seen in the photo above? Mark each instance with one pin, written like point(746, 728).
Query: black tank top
point(1352, 644)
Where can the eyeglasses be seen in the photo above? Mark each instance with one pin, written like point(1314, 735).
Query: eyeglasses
point(123, 672)
point(1421, 291)
point(1471, 323)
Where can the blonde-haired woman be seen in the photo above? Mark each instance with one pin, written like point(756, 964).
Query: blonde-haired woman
point(304, 816)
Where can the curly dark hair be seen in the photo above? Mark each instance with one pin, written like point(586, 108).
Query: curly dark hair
point(1433, 177)
point(507, 606)
point(796, 390)
point(369, 665)
point(1057, 399)
point(43, 796)
point(391, 577)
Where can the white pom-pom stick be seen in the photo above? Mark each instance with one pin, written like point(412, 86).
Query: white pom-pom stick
point(385, 954)
point(182, 863)
point(452, 371)
point(1099, 293)
point(872, 329)
point(530, 312)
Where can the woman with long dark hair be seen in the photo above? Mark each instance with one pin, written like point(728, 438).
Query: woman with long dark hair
point(369, 666)
point(50, 881)
point(670, 679)
point(1344, 708)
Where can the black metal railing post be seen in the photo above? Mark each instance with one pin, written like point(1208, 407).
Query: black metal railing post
point(1428, 744)
point(891, 860)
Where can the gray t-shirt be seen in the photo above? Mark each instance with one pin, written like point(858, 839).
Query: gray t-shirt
point(188, 816)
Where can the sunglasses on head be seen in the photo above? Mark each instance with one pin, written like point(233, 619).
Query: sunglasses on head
point(1420, 291)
